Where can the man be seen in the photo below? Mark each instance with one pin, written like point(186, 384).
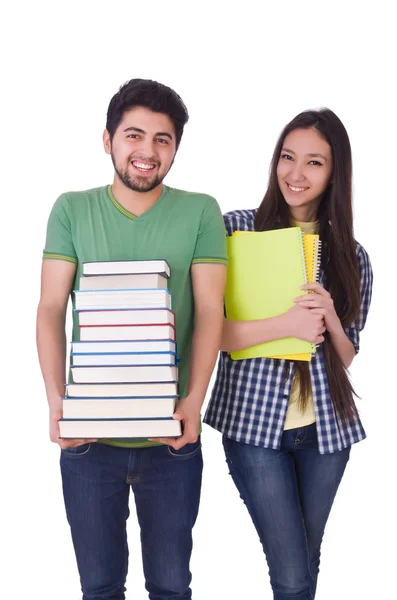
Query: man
point(136, 218)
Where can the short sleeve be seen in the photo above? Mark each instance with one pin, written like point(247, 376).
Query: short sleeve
point(59, 243)
point(366, 279)
point(211, 239)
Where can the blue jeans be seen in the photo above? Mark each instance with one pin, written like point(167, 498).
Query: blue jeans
point(289, 494)
point(166, 484)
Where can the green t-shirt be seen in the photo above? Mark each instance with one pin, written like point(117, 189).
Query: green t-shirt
point(181, 227)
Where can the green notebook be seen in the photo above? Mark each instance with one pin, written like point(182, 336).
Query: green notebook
point(265, 273)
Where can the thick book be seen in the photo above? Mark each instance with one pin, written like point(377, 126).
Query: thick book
point(140, 346)
point(118, 408)
point(265, 273)
point(122, 390)
point(124, 374)
point(113, 299)
point(119, 428)
point(149, 316)
point(89, 333)
point(118, 358)
point(117, 282)
point(127, 267)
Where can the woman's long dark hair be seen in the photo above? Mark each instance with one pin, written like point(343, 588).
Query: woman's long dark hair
point(339, 259)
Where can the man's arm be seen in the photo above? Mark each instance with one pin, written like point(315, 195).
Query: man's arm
point(208, 287)
point(56, 283)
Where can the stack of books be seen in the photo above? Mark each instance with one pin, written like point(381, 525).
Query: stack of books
point(124, 367)
point(266, 270)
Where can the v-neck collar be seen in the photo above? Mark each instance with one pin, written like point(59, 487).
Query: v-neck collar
point(129, 214)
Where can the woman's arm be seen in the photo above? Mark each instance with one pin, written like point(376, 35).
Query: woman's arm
point(297, 322)
point(319, 302)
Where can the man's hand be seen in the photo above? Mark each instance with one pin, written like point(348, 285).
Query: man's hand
point(55, 415)
point(187, 411)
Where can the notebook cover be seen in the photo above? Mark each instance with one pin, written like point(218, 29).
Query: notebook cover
point(278, 256)
point(312, 251)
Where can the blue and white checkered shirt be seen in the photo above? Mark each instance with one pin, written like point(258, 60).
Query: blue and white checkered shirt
point(250, 397)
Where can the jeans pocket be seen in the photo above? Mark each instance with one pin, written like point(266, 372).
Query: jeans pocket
point(187, 451)
point(77, 451)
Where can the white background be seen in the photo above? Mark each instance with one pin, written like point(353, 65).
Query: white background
point(244, 70)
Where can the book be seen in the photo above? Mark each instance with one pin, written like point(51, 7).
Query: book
point(118, 408)
point(122, 390)
point(117, 282)
point(312, 254)
point(126, 332)
point(135, 316)
point(126, 298)
point(143, 346)
point(124, 368)
point(124, 374)
point(127, 267)
point(278, 257)
point(119, 358)
point(119, 428)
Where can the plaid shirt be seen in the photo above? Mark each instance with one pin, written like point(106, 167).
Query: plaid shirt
point(250, 397)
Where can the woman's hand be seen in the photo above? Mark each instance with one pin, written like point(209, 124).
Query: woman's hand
point(319, 302)
point(304, 324)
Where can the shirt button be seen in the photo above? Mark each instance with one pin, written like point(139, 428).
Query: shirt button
point(285, 396)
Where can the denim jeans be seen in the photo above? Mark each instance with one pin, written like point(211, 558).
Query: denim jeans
point(166, 484)
point(289, 493)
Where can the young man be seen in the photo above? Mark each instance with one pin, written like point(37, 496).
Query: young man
point(137, 217)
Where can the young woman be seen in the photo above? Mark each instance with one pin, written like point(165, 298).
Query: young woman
point(288, 426)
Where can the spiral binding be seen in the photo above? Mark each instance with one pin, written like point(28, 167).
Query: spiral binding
point(318, 260)
point(303, 261)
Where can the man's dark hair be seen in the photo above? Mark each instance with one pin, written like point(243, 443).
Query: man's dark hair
point(151, 95)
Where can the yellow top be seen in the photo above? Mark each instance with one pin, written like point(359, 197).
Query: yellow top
point(295, 416)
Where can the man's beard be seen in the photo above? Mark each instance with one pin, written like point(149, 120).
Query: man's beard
point(138, 184)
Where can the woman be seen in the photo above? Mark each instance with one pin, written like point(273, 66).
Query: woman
point(288, 426)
